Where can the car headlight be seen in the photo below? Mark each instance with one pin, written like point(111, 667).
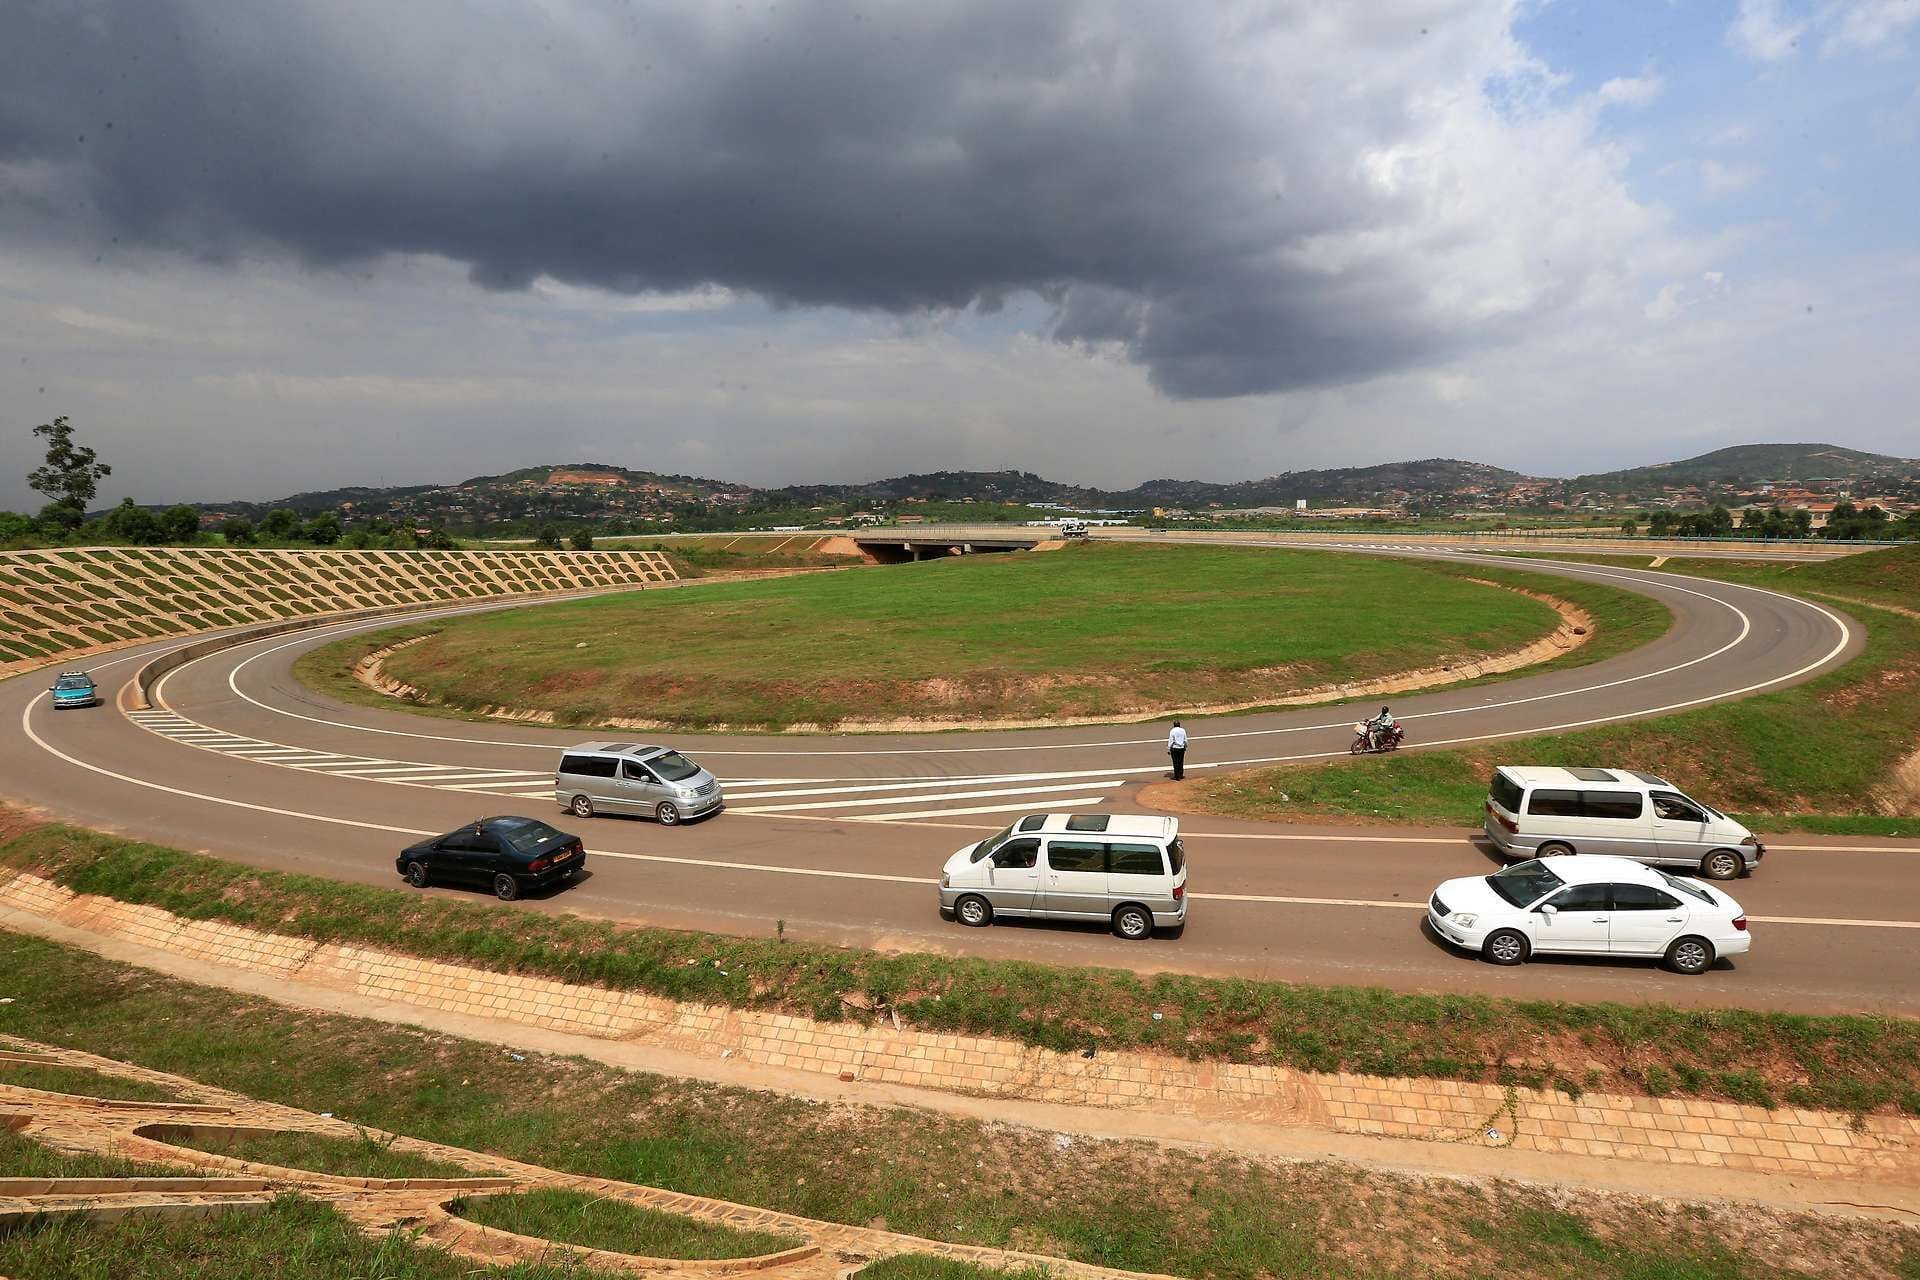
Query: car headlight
point(1464, 919)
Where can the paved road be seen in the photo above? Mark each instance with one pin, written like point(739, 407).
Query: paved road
point(841, 837)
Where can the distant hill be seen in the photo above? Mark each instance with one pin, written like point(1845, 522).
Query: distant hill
point(1747, 464)
point(598, 491)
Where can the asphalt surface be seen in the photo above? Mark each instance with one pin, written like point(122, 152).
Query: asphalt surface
point(842, 837)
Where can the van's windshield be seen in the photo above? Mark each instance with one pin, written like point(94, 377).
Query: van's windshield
point(986, 847)
point(672, 766)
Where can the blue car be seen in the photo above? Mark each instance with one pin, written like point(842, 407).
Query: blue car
point(75, 689)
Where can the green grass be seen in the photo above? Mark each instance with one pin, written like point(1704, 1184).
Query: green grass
point(292, 1239)
point(1098, 630)
point(1844, 1062)
point(79, 1080)
point(1815, 757)
point(23, 1157)
point(922, 1266)
point(359, 1157)
point(1195, 1213)
point(596, 1222)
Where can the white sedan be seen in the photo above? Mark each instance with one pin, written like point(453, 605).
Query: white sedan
point(1589, 905)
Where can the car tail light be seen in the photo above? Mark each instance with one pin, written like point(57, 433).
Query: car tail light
point(1740, 923)
point(1512, 827)
point(539, 865)
point(1179, 892)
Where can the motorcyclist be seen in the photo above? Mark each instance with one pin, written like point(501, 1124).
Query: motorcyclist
point(1380, 728)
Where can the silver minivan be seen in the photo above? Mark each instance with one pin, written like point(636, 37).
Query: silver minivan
point(627, 777)
point(1538, 811)
point(1125, 870)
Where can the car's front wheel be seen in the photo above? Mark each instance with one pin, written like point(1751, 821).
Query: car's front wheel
point(668, 814)
point(1690, 955)
point(1507, 947)
point(1722, 864)
point(505, 887)
point(417, 874)
point(973, 911)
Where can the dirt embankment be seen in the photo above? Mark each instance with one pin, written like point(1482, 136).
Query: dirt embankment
point(1574, 629)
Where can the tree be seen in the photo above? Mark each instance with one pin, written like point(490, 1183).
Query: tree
point(1629, 526)
point(548, 537)
point(323, 530)
point(71, 475)
point(135, 524)
point(14, 526)
point(582, 539)
point(180, 523)
point(280, 524)
point(436, 539)
point(237, 530)
point(58, 519)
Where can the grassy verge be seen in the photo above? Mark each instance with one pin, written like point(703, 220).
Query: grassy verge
point(292, 1239)
point(361, 1157)
point(594, 1222)
point(22, 1157)
point(78, 1080)
point(1848, 1062)
point(1183, 1212)
point(984, 638)
point(1816, 757)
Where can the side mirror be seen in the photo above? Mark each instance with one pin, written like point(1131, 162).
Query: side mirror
point(1547, 909)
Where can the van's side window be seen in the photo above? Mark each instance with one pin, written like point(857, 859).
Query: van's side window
point(1077, 855)
point(1676, 808)
point(1610, 804)
point(634, 771)
point(1135, 860)
point(1178, 853)
point(587, 766)
point(1555, 804)
point(1016, 853)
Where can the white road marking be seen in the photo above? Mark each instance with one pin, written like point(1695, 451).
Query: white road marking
point(955, 795)
point(1055, 804)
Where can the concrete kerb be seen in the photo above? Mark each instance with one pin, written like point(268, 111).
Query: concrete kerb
point(1652, 1146)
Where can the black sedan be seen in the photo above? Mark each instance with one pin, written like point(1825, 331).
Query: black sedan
point(508, 855)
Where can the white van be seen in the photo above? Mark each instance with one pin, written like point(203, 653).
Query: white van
point(1538, 811)
point(1127, 870)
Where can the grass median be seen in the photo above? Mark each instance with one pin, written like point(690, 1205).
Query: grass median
point(1840, 1062)
point(1194, 1213)
point(1089, 632)
point(1824, 756)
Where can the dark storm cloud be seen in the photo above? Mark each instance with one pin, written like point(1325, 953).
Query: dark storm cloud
point(1170, 177)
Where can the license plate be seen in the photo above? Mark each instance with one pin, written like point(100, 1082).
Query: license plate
point(563, 857)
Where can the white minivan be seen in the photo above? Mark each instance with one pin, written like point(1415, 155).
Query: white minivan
point(1536, 811)
point(1126, 870)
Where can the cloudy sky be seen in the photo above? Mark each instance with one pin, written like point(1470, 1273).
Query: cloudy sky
point(254, 246)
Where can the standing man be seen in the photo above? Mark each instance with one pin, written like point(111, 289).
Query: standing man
point(1177, 748)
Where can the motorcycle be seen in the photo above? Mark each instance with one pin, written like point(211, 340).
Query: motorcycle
point(1365, 742)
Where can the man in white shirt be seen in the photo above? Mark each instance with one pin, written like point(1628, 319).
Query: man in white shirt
point(1177, 748)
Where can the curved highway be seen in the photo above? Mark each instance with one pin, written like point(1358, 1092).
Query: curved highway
point(842, 837)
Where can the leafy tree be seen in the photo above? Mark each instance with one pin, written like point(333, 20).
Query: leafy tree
point(548, 537)
point(135, 524)
point(71, 475)
point(436, 539)
point(1629, 526)
point(14, 526)
point(237, 530)
point(323, 530)
point(280, 524)
point(58, 519)
point(582, 539)
point(180, 523)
